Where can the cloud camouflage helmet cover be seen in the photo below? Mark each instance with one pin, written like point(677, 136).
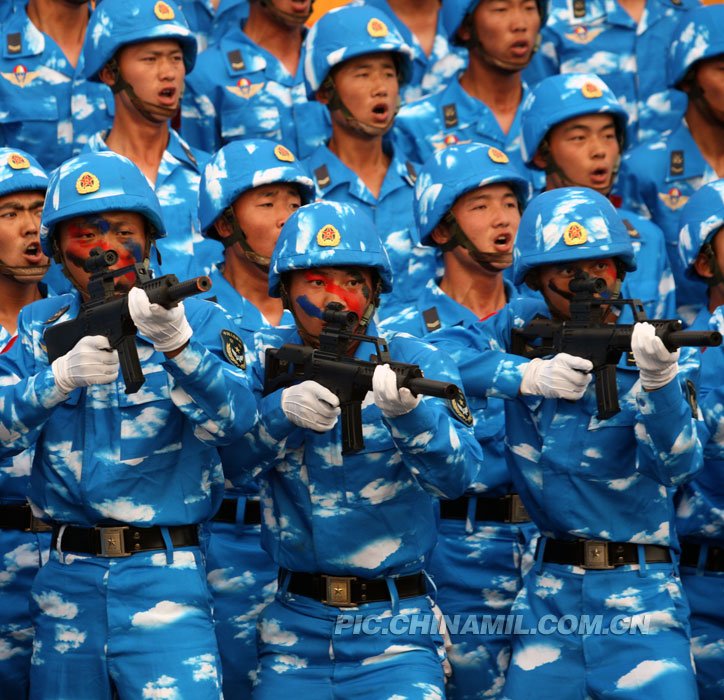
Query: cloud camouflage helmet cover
point(347, 32)
point(558, 98)
point(700, 219)
point(96, 182)
point(567, 224)
point(20, 172)
point(699, 35)
point(328, 234)
point(117, 23)
point(241, 166)
point(458, 169)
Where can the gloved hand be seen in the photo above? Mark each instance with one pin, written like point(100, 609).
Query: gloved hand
point(167, 329)
point(387, 397)
point(562, 377)
point(91, 361)
point(311, 405)
point(657, 366)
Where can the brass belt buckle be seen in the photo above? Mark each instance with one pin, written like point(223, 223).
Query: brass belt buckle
point(595, 555)
point(517, 512)
point(37, 525)
point(112, 543)
point(339, 591)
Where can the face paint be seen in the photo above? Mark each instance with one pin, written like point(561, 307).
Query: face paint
point(350, 298)
point(308, 307)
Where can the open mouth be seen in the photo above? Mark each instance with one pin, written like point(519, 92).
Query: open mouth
point(168, 94)
point(600, 175)
point(381, 111)
point(520, 48)
point(33, 253)
point(503, 242)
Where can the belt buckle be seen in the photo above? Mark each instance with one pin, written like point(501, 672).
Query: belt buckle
point(37, 525)
point(339, 591)
point(595, 555)
point(517, 512)
point(112, 543)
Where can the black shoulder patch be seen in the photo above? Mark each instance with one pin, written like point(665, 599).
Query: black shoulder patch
point(411, 173)
point(461, 410)
point(579, 8)
point(450, 115)
point(432, 319)
point(15, 43)
point(321, 175)
point(56, 315)
point(691, 398)
point(676, 163)
point(233, 349)
point(630, 228)
point(189, 154)
point(236, 60)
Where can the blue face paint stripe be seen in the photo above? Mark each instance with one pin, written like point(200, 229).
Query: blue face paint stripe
point(308, 307)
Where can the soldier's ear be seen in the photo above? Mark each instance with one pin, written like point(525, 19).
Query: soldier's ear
point(539, 160)
point(107, 75)
point(441, 234)
point(703, 262)
point(222, 227)
point(532, 279)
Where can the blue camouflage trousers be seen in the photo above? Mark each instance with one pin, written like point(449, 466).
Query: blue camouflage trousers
point(309, 650)
point(139, 626)
point(242, 580)
point(621, 633)
point(21, 555)
point(705, 593)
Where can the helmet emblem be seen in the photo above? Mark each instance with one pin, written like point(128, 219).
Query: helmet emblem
point(328, 236)
point(591, 90)
point(18, 162)
point(87, 183)
point(283, 153)
point(575, 234)
point(163, 11)
point(377, 28)
point(497, 156)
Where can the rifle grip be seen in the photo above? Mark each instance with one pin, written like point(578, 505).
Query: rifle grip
point(130, 365)
point(351, 417)
point(606, 392)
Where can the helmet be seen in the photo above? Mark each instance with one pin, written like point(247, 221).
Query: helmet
point(347, 32)
point(240, 166)
point(698, 36)
point(97, 182)
point(452, 172)
point(700, 219)
point(560, 97)
point(20, 172)
point(570, 223)
point(116, 23)
point(328, 234)
point(455, 11)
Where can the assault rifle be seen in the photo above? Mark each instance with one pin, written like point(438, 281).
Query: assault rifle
point(587, 336)
point(106, 313)
point(347, 377)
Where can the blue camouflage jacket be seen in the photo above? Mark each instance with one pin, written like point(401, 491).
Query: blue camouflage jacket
point(209, 24)
point(365, 514)
point(148, 458)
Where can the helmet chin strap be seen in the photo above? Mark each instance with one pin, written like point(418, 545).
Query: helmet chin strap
point(149, 110)
point(716, 273)
point(24, 274)
point(474, 44)
point(489, 261)
point(290, 19)
point(703, 106)
point(238, 236)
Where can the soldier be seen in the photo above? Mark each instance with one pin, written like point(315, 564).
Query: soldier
point(24, 541)
point(122, 606)
point(574, 130)
point(143, 51)
point(700, 511)
point(483, 102)
point(468, 201)
point(248, 190)
point(356, 62)
point(212, 19)
point(349, 530)
point(599, 490)
point(49, 109)
point(657, 178)
point(624, 42)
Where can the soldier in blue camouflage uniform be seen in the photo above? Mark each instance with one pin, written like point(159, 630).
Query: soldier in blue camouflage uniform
point(122, 607)
point(251, 84)
point(355, 63)
point(142, 50)
point(625, 44)
point(248, 190)
point(46, 105)
point(657, 178)
point(574, 130)
point(483, 102)
point(23, 545)
point(700, 511)
point(351, 532)
point(468, 201)
point(600, 490)
point(435, 59)
point(212, 19)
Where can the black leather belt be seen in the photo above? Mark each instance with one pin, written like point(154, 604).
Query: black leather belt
point(20, 517)
point(599, 554)
point(690, 552)
point(227, 511)
point(343, 591)
point(507, 509)
point(121, 540)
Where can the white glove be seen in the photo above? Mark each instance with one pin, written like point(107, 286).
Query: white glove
point(562, 377)
point(311, 405)
point(387, 397)
point(657, 366)
point(91, 361)
point(167, 329)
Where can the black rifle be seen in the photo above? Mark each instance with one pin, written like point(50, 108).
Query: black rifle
point(347, 377)
point(106, 313)
point(587, 336)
